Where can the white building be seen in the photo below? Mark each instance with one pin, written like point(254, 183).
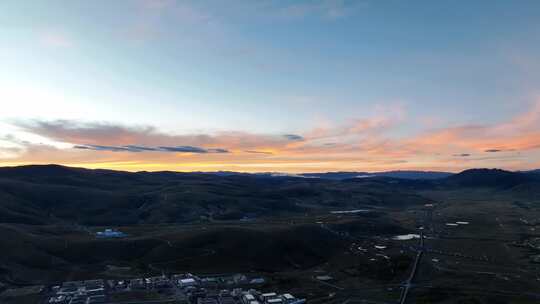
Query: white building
point(248, 298)
point(187, 282)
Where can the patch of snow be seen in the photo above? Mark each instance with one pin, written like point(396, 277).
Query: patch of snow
point(405, 237)
point(324, 278)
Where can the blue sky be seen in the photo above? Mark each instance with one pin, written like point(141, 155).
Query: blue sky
point(269, 68)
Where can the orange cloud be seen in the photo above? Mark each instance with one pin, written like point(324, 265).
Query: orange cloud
point(365, 144)
point(519, 133)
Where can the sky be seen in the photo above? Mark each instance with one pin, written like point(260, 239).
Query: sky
point(260, 85)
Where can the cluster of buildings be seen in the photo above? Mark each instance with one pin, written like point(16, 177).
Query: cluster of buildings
point(110, 233)
point(256, 297)
point(206, 291)
point(240, 296)
point(183, 288)
point(79, 292)
point(184, 281)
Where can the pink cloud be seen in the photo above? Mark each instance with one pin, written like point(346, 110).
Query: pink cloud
point(384, 118)
point(518, 133)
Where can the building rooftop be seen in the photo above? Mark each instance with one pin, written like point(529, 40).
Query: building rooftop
point(288, 296)
point(110, 233)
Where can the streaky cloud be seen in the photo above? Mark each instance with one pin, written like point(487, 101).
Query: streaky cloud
point(185, 149)
point(106, 148)
point(293, 137)
point(136, 148)
point(141, 148)
point(258, 152)
point(218, 150)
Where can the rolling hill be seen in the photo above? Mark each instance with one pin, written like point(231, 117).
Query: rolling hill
point(56, 194)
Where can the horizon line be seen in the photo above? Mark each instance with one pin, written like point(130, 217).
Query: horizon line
point(255, 172)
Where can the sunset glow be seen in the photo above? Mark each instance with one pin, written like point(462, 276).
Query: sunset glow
point(269, 86)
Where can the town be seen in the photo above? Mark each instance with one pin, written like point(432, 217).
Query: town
point(179, 288)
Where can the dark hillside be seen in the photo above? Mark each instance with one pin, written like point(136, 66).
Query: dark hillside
point(494, 178)
point(220, 249)
point(54, 194)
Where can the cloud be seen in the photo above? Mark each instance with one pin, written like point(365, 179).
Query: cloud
point(217, 150)
point(140, 148)
point(8, 152)
point(185, 149)
point(258, 152)
point(135, 148)
point(105, 148)
point(92, 133)
point(521, 133)
point(368, 143)
point(190, 149)
point(369, 127)
point(293, 137)
point(116, 137)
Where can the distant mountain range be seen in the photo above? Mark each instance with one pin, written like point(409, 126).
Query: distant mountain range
point(342, 175)
point(496, 174)
point(337, 175)
point(392, 174)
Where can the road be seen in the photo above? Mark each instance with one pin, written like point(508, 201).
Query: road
point(407, 285)
point(420, 252)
